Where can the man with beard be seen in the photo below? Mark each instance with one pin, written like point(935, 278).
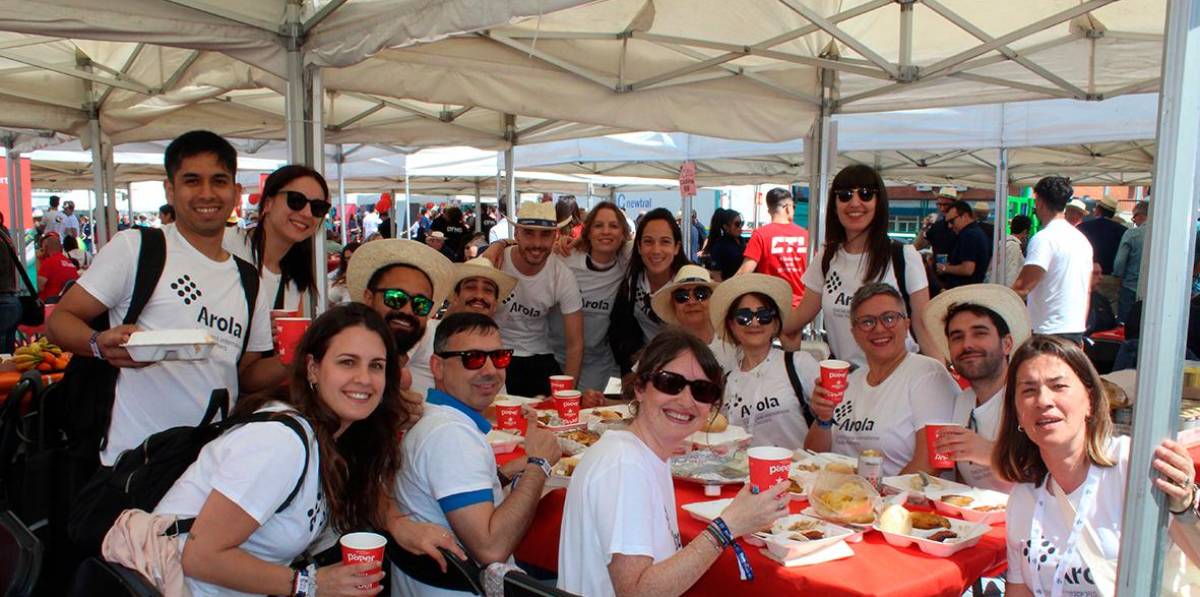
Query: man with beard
point(404, 281)
point(478, 288)
point(981, 325)
point(542, 284)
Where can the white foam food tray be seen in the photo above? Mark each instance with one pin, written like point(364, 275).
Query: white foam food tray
point(169, 345)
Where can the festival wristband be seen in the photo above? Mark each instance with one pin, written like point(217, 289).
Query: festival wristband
point(304, 583)
point(824, 423)
point(95, 346)
point(745, 572)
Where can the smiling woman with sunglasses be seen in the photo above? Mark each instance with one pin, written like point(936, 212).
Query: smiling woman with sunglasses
point(760, 395)
point(858, 251)
point(620, 534)
point(685, 303)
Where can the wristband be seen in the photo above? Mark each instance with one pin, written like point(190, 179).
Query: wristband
point(542, 464)
point(95, 347)
point(824, 424)
point(745, 572)
point(304, 583)
point(716, 535)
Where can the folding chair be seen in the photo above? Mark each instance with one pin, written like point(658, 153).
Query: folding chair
point(460, 575)
point(98, 577)
point(20, 557)
point(519, 584)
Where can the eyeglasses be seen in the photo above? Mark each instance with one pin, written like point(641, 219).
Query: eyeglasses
point(764, 315)
point(297, 200)
point(889, 320)
point(683, 295)
point(703, 391)
point(474, 359)
point(864, 194)
point(395, 298)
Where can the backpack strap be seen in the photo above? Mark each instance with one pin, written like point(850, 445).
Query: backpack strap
point(279, 294)
point(152, 258)
point(184, 525)
point(789, 363)
point(901, 278)
point(249, 277)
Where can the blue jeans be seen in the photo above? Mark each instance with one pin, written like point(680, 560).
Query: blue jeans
point(1125, 300)
point(10, 316)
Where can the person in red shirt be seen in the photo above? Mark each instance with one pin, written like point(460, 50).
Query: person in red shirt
point(54, 270)
point(781, 247)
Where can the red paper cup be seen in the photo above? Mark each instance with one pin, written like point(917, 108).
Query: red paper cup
point(509, 417)
point(937, 459)
point(360, 548)
point(835, 377)
point(566, 402)
point(768, 466)
point(561, 382)
point(288, 338)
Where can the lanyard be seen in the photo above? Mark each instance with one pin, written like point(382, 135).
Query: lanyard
point(1067, 549)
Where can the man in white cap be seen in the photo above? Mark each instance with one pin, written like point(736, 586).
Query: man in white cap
point(977, 328)
point(1076, 212)
point(477, 287)
point(938, 233)
point(1105, 232)
point(543, 284)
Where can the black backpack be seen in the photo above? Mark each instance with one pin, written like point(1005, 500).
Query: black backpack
point(141, 476)
point(789, 363)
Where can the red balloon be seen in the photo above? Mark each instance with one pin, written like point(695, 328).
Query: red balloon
point(384, 204)
point(254, 198)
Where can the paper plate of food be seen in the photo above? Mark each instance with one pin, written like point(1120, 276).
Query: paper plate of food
point(798, 535)
point(576, 441)
point(608, 414)
point(917, 485)
point(551, 421)
point(814, 462)
point(503, 442)
point(708, 467)
point(718, 433)
point(932, 533)
point(843, 499)
point(560, 473)
point(972, 504)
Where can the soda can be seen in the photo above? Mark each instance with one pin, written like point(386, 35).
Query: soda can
point(870, 466)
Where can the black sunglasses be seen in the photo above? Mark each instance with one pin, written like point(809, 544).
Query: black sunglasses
point(764, 315)
point(297, 200)
point(395, 298)
point(864, 193)
point(703, 391)
point(682, 295)
point(474, 359)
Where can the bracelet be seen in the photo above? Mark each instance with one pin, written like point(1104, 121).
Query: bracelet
point(824, 423)
point(714, 533)
point(745, 572)
point(95, 346)
point(1191, 505)
point(304, 582)
point(541, 463)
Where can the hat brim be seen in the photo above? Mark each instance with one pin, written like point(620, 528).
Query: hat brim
point(378, 254)
point(740, 285)
point(547, 225)
point(1001, 299)
point(664, 307)
point(504, 282)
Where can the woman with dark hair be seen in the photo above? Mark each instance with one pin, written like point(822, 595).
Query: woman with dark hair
point(1056, 444)
point(76, 254)
point(620, 535)
point(338, 293)
point(858, 251)
point(295, 200)
point(658, 244)
point(566, 208)
point(341, 395)
point(725, 243)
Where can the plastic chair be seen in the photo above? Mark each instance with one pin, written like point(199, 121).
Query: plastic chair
point(98, 577)
point(519, 584)
point(20, 557)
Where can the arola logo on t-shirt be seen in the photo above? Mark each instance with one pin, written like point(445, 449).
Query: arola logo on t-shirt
point(189, 292)
point(597, 305)
point(516, 307)
point(841, 415)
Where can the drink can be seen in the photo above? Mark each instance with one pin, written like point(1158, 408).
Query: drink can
point(870, 466)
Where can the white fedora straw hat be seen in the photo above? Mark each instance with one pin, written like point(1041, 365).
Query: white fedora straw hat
point(729, 291)
point(376, 255)
point(688, 275)
point(481, 267)
point(537, 215)
point(1001, 299)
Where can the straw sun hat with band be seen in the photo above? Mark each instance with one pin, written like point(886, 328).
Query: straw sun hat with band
point(1000, 299)
point(378, 254)
point(538, 216)
point(732, 289)
point(688, 275)
point(481, 267)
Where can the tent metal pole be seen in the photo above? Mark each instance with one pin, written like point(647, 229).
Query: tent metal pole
point(1000, 223)
point(685, 225)
point(294, 97)
point(510, 182)
point(314, 112)
point(340, 160)
point(16, 224)
point(1155, 416)
point(128, 199)
point(407, 208)
point(499, 187)
point(101, 225)
point(478, 207)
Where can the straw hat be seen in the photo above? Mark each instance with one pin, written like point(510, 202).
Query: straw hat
point(481, 267)
point(1110, 203)
point(948, 192)
point(1077, 204)
point(689, 275)
point(538, 216)
point(732, 289)
point(376, 255)
point(437, 234)
point(1001, 299)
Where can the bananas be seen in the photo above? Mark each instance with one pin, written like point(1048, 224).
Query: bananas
point(40, 354)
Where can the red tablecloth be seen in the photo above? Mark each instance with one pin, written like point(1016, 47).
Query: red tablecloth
point(876, 568)
point(1194, 451)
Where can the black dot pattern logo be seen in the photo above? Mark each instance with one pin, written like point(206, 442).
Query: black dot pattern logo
point(833, 283)
point(1040, 555)
point(316, 514)
point(186, 289)
point(842, 411)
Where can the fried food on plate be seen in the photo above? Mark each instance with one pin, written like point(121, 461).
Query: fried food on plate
point(942, 536)
point(927, 521)
point(961, 501)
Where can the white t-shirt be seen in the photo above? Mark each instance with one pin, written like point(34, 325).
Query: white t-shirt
point(71, 222)
point(598, 291)
point(845, 277)
point(1059, 303)
point(54, 221)
point(418, 360)
point(643, 310)
point(238, 242)
point(447, 463)
point(524, 317)
point(1104, 518)
point(888, 416)
point(985, 421)
point(621, 500)
point(370, 224)
point(501, 231)
point(256, 466)
point(762, 399)
point(727, 354)
point(193, 292)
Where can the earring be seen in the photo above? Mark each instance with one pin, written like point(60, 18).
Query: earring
point(1020, 429)
point(312, 385)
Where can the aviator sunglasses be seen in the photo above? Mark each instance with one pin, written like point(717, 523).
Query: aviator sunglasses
point(764, 315)
point(864, 193)
point(682, 295)
point(395, 298)
point(474, 359)
point(297, 200)
point(703, 391)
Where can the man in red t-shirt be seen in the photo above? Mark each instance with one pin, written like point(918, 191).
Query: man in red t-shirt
point(54, 270)
point(781, 247)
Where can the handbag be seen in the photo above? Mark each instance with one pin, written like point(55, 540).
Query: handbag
point(33, 310)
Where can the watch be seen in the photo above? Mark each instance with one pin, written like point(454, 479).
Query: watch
point(542, 464)
point(95, 347)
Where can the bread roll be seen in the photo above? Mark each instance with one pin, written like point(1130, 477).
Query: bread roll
point(895, 519)
point(717, 424)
